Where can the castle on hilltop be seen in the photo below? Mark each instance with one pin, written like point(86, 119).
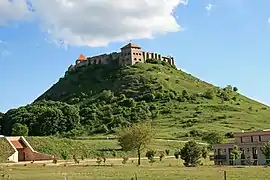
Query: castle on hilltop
point(130, 54)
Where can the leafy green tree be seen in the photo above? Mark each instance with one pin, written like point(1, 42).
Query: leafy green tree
point(19, 130)
point(209, 94)
point(191, 153)
point(135, 137)
point(150, 155)
point(266, 152)
point(213, 138)
point(235, 153)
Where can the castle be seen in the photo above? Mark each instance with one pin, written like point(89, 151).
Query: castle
point(129, 55)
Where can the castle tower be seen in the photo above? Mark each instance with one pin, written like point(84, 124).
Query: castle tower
point(80, 59)
point(131, 54)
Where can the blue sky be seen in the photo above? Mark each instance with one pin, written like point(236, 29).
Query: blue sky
point(221, 41)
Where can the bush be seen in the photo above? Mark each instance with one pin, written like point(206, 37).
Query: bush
point(150, 154)
point(191, 154)
point(176, 155)
point(125, 159)
point(19, 130)
point(148, 97)
point(229, 135)
point(64, 155)
point(209, 94)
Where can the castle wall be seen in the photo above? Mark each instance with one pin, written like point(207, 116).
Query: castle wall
point(129, 55)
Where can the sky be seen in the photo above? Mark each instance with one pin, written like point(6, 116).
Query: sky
point(224, 42)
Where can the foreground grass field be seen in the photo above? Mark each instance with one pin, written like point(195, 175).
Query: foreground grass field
point(114, 170)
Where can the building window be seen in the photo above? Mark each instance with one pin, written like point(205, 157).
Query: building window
point(135, 59)
point(241, 139)
point(140, 54)
point(134, 53)
point(251, 138)
point(260, 138)
point(140, 60)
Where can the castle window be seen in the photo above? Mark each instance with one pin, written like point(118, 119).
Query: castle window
point(135, 59)
point(140, 54)
point(140, 60)
point(134, 53)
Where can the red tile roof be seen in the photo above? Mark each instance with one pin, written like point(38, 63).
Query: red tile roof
point(81, 57)
point(17, 144)
point(129, 45)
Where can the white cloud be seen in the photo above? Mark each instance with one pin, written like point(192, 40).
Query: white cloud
point(12, 10)
point(99, 22)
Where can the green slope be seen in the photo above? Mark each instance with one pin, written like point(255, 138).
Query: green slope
point(176, 118)
point(5, 150)
point(102, 97)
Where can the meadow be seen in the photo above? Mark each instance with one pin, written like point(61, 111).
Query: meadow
point(114, 170)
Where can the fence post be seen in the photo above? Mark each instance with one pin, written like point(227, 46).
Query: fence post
point(225, 175)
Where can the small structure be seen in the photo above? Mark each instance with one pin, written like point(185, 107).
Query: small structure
point(250, 145)
point(23, 150)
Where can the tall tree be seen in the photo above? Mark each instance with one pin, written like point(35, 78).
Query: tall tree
point(136, 137)
point(191, 153)
point(235, 153)
point(266, 151)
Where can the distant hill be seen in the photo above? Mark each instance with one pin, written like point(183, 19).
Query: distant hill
point(99, 98)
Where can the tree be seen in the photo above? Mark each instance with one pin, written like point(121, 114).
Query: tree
point(191, 153)
point(213, 138)
point(235, 89)
point(266, 152)
point(235, 153)
point(135, 137)
point(19, 130)
point(209, 94)
point(150, 156)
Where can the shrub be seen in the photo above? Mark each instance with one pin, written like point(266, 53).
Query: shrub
point(209, 94)
point(64, 155)
point(54, 160)
point(148, 97)
point(19, 129)
point(75, 159)
point(99, 160)
point(161, 156)
point(229, 135)
point(176, 155)
point(125, 159)
point(150, 154)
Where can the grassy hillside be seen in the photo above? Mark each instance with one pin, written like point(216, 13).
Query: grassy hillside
point(5, 150)
point(91, 148)
point(99, 98)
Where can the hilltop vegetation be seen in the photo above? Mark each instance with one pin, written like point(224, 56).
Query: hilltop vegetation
point(100, 98)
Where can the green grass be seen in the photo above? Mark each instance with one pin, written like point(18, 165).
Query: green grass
point(114, 170)
point(205, 115)
point(5, 150)
point(90, 148)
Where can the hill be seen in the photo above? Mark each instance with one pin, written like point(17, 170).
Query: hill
point(99, 98)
